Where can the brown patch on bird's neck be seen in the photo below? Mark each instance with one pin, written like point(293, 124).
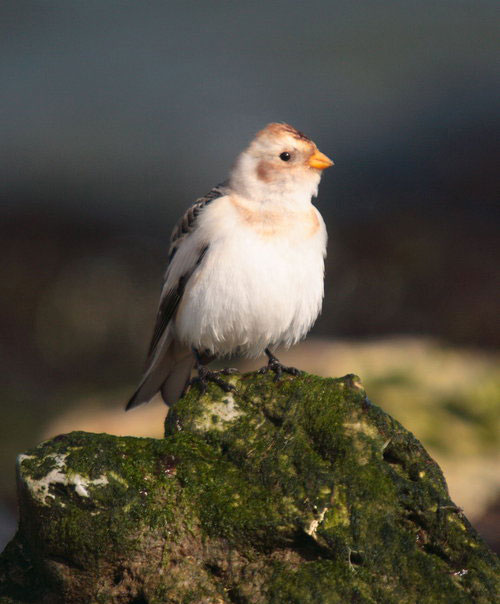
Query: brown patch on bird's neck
point(273, 222)
point(315, 221)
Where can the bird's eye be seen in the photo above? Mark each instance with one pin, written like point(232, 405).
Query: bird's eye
point(285, 156)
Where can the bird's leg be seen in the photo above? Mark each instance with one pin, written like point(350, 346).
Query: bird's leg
point(274, 365)
point(206, 375)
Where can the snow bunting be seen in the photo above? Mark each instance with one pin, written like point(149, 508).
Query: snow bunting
point(246, 267)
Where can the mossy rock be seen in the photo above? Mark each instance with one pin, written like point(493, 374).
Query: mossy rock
point(300, 491)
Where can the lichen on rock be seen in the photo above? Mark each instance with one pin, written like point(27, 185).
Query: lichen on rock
point(297, 491)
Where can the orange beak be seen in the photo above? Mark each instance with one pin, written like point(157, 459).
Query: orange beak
point(319, 160)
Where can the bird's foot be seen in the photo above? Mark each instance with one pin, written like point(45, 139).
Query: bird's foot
point(277, 368)
point(206, 375)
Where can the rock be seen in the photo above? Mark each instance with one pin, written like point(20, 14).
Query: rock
point(300, 491)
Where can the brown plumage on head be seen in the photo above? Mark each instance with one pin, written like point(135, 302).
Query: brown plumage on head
point(278, 129)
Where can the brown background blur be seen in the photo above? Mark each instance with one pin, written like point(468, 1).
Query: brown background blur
point(116, 115)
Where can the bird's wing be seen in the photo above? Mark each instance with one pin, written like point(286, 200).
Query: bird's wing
point(187, 223)
point(180, 270)
point(169, 363)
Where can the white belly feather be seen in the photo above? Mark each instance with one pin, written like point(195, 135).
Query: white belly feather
point(260, 283)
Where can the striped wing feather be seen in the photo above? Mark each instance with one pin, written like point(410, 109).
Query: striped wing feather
point(187, 224)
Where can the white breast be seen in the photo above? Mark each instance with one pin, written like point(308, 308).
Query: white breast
point(260, 282)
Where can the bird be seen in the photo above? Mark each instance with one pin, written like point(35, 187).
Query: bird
point(245, 270)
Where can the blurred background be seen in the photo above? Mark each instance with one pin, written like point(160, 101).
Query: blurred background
point(115, 116)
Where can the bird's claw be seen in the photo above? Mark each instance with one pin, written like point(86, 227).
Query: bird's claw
point(278, 369)
point(206, 375)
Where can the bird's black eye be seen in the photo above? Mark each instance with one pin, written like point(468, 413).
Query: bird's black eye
point(285, 156)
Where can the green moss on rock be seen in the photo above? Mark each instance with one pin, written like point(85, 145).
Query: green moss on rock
point(298, 491)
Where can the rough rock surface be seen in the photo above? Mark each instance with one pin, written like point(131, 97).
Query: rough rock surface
point(300, 491)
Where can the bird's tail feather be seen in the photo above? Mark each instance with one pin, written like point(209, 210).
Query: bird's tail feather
point(168, 371)
point(173, 387)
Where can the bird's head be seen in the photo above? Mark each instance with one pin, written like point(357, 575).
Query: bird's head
point(280, 163)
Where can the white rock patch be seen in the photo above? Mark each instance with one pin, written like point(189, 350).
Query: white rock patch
point(40, 488)
point(226, 411)
point(311, 529)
